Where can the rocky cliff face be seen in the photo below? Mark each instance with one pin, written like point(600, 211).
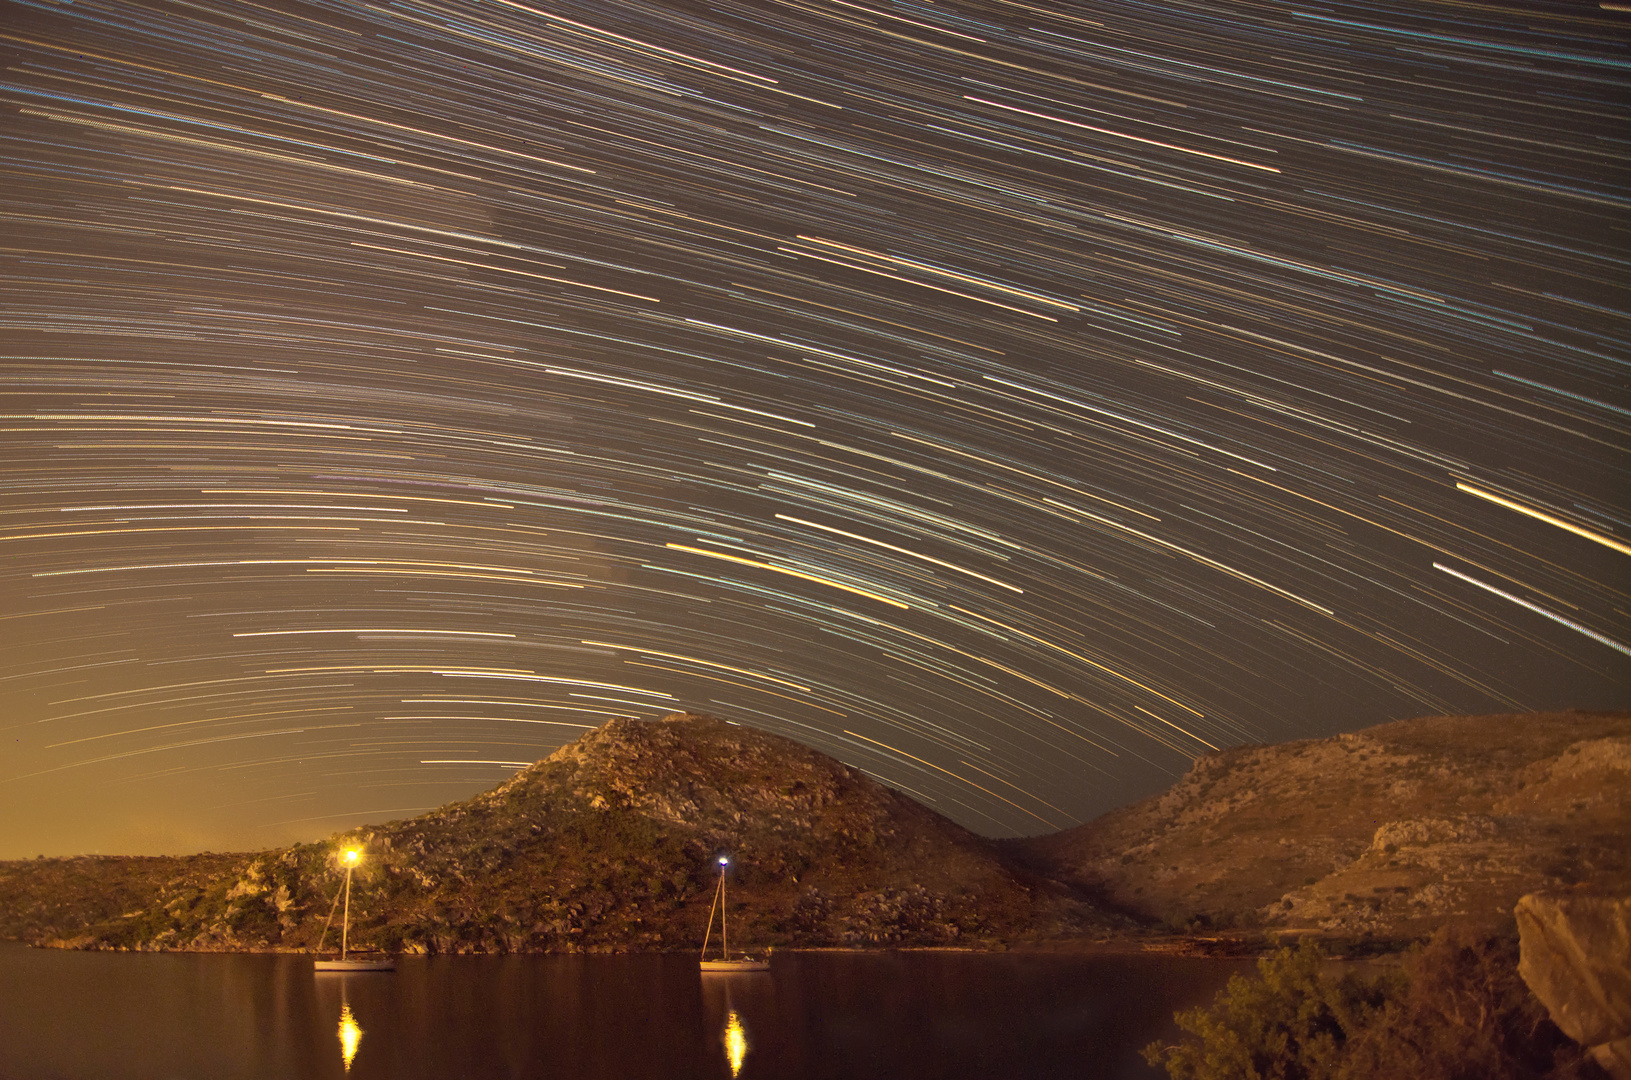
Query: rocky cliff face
point(611, 843)
point(1387, 832)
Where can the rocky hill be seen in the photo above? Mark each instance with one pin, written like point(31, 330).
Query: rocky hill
point(48, 899)
point(1387, 832)
point(610, 843)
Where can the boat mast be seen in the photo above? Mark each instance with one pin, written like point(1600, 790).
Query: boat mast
point(345, 926)
point(718, 905)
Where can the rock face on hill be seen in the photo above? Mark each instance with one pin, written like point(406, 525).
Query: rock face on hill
point(1387, 832)
point(611, 843)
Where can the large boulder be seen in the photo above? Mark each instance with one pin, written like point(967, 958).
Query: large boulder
point(1575, 954)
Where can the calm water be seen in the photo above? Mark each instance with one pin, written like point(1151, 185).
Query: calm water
point(111, 1016)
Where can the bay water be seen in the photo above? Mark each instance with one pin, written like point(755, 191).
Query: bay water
point(855, 1016)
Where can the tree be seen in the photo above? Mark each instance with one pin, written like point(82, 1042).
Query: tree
point(1289, 1023)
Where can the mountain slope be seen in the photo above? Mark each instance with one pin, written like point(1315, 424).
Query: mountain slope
point(611, 843)
point(1387, 831)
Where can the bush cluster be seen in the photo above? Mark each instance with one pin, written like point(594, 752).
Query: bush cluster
point(1456, 1009)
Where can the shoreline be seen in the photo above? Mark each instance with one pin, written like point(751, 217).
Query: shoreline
point(1185, 946)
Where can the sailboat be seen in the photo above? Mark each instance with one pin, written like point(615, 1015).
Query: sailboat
point(725, 963)
point(344, 963)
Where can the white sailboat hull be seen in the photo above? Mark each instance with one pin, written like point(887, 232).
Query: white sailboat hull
point(734, 965)
point(386, 964)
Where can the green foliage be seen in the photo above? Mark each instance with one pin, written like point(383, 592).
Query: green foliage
point(1455, 1010)
point(1289, 1023)
point(133, 932)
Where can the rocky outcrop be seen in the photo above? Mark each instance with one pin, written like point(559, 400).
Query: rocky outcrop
point(1384, 833)
point(1575, 954)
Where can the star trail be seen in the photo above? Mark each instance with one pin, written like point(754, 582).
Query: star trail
point(1013, 401)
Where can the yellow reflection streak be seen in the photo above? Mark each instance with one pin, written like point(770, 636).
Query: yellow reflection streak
point(736, 1042)
point(350, 1036)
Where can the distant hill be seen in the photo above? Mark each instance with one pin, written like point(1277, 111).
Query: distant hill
point(1387, 832)
point(610, 843)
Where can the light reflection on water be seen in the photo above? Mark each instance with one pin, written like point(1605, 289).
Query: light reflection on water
point(350, 1031)
point(720, 992)
point(815, 1015)
point(736, 1042)
point(350, 1036)
point(727, 997)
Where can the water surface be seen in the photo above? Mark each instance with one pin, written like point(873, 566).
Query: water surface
point(121, 1016)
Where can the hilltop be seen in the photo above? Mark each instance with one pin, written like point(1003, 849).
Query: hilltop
point(609, 843)
point(1387, 832)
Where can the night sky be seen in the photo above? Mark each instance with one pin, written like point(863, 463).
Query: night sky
point(1012, 400)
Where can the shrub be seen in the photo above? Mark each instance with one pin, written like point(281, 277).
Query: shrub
point(1465, 1014)
point(1455, 1010)
point(1289, 1023)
